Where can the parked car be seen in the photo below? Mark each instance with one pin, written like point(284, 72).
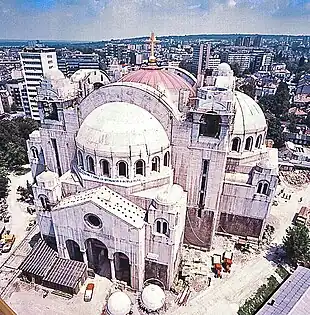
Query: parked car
point(89, 292)
point(9, 241)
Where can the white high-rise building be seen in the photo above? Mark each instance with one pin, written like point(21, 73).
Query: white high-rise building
point(36, 62)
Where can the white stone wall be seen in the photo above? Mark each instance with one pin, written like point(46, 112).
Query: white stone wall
point(115, 234)
point(165, 247)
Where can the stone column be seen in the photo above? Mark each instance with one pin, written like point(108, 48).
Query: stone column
point(112, 269)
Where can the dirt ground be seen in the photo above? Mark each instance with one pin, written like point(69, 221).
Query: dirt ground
point(29, 300)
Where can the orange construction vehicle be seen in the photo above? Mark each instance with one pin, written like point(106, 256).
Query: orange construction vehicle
point(227, 258)
point(217, 265)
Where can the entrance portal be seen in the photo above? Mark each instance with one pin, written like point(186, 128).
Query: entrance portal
point(97, 255)
point(122, 268)
point(74, 250)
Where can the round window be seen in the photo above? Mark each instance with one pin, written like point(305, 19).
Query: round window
point(93, 220)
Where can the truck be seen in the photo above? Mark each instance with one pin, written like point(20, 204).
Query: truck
point(227, 258)
point(302, 216)
point(89, 292)
point(217, 265)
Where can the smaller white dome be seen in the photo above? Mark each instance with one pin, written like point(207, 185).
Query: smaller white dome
point(266, 164)
point(170, 195)
point(54, 74)
point(224, 67)
point(119, 304)
point(47, 176)
point(153, 297)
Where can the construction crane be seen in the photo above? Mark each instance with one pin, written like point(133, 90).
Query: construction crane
point(5, 309)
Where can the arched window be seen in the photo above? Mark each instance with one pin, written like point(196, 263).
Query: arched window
point(258, 142)
point(210, 125)
point(263, 188)
point(167, 159)
point(122, 169)
point(158, 226)
point(248, 143)
point(90, 164)
point(44, 202)
point(259, 188)
point(105, 168)
point(140, 168)
point(165, 227)
point(156, 164)
point(80, 159)
point(35, 153)
point(236, 144)
point(162, 226)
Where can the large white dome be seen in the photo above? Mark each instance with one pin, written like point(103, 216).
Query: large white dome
point(119, 304)
point(153, 297)
point(121, 129)
point(249, 116)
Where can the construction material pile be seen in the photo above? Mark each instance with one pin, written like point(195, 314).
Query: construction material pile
point(296, 178)
point(195, 262)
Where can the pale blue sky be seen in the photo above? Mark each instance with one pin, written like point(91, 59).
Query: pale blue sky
point(105, 19)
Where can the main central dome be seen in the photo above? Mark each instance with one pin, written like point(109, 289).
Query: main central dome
point(160, 79)
point(121, 129)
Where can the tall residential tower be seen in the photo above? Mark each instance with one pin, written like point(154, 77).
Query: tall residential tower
point(36, 62)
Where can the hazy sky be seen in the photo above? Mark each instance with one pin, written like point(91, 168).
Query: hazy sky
point(106, 19)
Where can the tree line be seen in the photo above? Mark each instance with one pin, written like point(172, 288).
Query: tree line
point(13, 148)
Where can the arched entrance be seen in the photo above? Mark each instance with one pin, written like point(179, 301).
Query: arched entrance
point(97, 85)
point(122, 267)
point(74, 250)
point(97, 255)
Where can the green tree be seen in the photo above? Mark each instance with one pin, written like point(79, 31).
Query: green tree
point(13, 136)
point(235, 67)
point(297, 243)
point(283, 91)
point(277, 104)
point(246, 72)
point(249, 89)
point(275, 130)
point(4, 183)
point(292, 126)
point(25, 126)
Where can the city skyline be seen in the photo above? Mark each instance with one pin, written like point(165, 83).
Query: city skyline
point(93, 20)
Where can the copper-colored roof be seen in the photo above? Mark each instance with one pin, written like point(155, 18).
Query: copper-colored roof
point(159, 79)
